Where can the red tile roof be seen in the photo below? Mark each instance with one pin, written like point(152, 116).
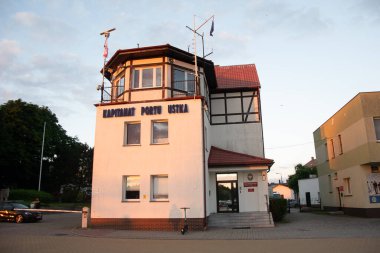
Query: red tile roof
point(237, 76)
point(311, 163)
point(221, 157)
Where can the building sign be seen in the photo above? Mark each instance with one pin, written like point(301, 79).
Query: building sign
point(181, 108)
point(250, 184)
point(151, 110)
point(145, 110)
point(373, 184)
point(120, 112)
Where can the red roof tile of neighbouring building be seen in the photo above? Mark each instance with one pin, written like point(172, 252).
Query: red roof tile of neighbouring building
point(311, 163)
point(237, 77)
point(221, 157)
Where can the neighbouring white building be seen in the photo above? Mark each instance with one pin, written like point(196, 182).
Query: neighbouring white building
point(166, 140)
point(309, 192)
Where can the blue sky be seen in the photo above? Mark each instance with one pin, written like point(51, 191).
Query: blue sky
point(312, 57)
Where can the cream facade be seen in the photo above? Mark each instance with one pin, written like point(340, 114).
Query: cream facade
point(348, 157)
point(157, 128)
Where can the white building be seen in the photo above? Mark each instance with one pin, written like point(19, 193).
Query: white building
point(309, 192)
point(165, 141)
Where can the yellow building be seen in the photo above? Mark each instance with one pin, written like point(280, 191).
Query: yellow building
point(347, 146)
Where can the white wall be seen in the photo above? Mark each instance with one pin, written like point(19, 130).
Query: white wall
point(181, 159)
point(309, 185)
point(242, 138)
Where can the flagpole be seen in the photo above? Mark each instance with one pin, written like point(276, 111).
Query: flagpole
point(104, 64)
point(105, 55)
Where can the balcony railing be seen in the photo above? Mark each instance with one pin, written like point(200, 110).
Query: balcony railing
point(111, 94)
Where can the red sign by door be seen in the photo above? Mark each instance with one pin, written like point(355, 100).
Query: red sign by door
point(250, 184)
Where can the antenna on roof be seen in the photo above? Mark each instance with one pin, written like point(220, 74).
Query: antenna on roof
point(105, 54)
point(195, 32)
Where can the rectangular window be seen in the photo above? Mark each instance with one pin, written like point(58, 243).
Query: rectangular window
point(120, 86)
point(332, 148)
point(131, 188)
point(132, 133)
point(136, 78)
point(330, 183)
point(340, 144)
point(347, 186)
point(158, 77)
point(160, 132)
point(160, 187)
point(146, 77)
point(184, 81)
point(376, 122)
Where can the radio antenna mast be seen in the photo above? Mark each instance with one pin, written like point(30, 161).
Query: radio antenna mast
point(195, 32)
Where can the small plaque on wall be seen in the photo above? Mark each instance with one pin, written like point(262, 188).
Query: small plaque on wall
point(250, 184)
point(251, 189)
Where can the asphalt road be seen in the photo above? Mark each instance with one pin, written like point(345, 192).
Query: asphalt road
point(61, 233)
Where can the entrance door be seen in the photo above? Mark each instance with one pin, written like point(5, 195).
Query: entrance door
point(227, 197)
point(308, 199)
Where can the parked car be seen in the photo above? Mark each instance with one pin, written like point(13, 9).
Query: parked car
point(292, 203)
point(9, 212)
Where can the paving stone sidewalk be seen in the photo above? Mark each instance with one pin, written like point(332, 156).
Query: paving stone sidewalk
point(295, 226)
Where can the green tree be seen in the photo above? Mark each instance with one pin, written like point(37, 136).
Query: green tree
point(21, 130)
point(301, 173)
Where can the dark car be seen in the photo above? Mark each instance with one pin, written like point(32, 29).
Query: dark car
point(9, 212)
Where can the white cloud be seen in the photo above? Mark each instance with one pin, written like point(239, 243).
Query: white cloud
point(281, 17)
point(27, 18)
point(44, 28)
point(9, 51)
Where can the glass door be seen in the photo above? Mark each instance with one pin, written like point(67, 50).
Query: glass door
point(227, 194)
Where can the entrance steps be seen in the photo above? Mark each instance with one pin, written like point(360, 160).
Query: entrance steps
point(241, 220)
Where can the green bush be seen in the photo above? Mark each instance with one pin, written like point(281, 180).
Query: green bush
point(278, 208)
point(29, 195)
point(69, 194)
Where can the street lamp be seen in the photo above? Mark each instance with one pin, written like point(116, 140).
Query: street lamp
point(281, 177)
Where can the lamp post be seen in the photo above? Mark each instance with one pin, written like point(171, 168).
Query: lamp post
point(42, 155)
point(281, 177)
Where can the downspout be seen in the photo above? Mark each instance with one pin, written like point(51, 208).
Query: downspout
point(204, 167)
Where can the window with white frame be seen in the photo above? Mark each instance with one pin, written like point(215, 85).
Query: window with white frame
point(347, 186)
point(160, 187)
point(160, 133)
point(376, 122)
point(146, 77)
point(132, 133)
point(131, 188)
point(184, 80)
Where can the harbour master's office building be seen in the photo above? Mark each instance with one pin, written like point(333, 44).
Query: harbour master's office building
point(166, 140)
